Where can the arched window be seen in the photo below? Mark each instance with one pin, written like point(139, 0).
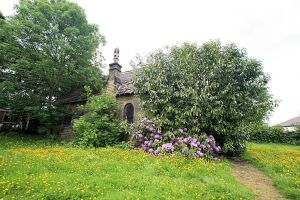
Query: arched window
point(129, 113)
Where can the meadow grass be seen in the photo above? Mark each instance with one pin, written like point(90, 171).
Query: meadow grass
point(281, 163)
point(41, 169)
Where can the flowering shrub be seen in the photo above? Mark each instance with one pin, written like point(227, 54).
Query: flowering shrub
point(213, 88)
point(149, 137)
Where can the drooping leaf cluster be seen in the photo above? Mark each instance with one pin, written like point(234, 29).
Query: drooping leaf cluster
point(213, 88)
point(47, 49)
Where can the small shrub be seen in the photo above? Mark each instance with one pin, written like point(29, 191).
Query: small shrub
point(149, 137)
point(99, 126)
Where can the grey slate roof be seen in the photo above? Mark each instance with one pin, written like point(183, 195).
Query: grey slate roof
point(291, 122)
point(124, 84)
point(126, 76)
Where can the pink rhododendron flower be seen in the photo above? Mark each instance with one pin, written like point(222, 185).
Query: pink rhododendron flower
point(151, 150)
point(149, 138)
point(193, 144)
point(200, 154)
point(157, 136)
point(168, 146)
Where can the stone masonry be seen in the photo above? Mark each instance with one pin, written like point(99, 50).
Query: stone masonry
point(120, 83)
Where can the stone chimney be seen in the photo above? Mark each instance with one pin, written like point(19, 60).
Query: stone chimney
point(114, 72)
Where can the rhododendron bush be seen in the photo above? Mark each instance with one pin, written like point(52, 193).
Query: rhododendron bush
point(149, 137)
point(212, 88)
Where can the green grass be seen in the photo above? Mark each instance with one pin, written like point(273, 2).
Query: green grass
point(281, 163)
point(39, 169)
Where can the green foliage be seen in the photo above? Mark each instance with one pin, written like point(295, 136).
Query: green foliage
point(99, 126)
point(298, 128)
point(124, 145)
point(212, 88)
point(47, 49)
point(1, 16)
point(60, 172)
point(275, 134)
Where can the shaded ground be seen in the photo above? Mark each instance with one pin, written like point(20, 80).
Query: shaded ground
point(261, 184)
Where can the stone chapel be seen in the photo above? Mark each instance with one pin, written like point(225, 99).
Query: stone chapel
point(120, 83)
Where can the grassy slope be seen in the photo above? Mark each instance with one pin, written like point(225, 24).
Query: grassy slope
point(281, 163)
point(32, 169)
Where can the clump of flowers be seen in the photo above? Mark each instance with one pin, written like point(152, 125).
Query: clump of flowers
point(149, 137)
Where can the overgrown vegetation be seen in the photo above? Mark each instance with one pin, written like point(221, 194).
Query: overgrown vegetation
point(47, 49)
point(281, 163)
point(275, 134)
point(211, 88)
point(99, 126)
point(34, 169)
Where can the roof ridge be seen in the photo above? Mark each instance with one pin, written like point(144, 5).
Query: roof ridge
point(291, 122)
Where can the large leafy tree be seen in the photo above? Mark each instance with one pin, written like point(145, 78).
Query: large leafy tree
point(47, 49)
point(213, 88)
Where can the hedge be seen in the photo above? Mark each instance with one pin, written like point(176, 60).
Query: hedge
point(275, 134)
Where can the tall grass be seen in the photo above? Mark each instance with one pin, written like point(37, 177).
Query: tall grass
point(281, 163)
point(41, 169)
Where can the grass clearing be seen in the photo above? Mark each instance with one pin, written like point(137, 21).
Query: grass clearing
point(31, 169)
point(281, 163)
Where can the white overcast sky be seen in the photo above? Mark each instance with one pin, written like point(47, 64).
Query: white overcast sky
point(268, 30)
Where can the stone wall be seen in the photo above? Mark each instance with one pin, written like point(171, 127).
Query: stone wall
point(66, 129)
point(122, 100)
point(111, 85)
point(67, 132)
point(134, 99)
